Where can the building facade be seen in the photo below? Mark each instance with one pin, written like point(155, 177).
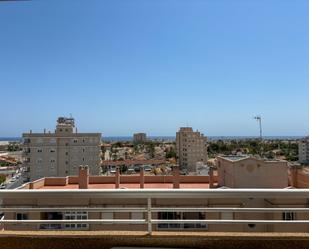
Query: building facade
point(139, 137)
point(251, 172)
point(303, 150)
point(191, 147)
point(171, 203)
point(60, 153)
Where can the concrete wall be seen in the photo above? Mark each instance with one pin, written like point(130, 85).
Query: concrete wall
point(252, 173)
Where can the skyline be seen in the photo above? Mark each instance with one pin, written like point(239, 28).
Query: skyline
point(121, 67)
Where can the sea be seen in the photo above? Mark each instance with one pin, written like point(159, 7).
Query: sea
point(173, 138)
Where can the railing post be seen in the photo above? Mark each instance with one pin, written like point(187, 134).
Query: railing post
point(149, 216)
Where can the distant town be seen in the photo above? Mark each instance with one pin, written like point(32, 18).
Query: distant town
point(60, 153)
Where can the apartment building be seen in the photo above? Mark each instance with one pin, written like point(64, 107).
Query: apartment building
point(154, 203)
point(251, 172)
point(139, 137)
point(303, 150)
point(60, 153)
point(191, 147)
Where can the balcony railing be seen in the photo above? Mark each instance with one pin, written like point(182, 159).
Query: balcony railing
point(149, 209)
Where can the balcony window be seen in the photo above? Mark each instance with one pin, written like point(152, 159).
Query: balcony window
point(21, 216)
point(288, 216)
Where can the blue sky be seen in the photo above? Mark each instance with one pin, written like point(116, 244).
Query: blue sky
point(122, 66)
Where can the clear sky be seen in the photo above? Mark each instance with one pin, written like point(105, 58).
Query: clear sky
point(122, 66)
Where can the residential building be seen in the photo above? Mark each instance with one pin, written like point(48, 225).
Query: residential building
point(191, 148)
point(154, 203)
point(303, 150)
point(60, 153)
point(251, 172)
point(139, 137)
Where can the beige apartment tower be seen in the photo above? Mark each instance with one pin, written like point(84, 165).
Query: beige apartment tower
point(139, 137)
point(303, 150)
point(60, 153)
point(191, 148)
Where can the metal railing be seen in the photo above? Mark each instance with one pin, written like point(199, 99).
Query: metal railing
point(148, 209)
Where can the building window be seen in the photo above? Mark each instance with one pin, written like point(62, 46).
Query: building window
point(21, 216)
point(52, 151)
point(288, 216)
point(181, 216)
point(52, 160)
point(75, 141)
point(76, 216)
point(39, 160)
point(40, 150)
point(67, 153)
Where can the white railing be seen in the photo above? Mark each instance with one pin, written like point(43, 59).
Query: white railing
point(148, 209)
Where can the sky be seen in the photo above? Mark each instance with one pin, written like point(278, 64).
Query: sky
point(125, 66)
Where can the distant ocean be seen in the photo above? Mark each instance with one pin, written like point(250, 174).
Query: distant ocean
point(172, 138)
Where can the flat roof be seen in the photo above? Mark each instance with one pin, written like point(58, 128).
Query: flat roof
point(130, 186)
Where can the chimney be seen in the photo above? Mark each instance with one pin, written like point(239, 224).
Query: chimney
point(117, 178)
point(211, 177)
point(31, 185)
point(176, 177)
point(142, 177)
point(83, 177)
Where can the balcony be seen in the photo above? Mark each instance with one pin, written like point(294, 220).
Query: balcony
point(149, 235)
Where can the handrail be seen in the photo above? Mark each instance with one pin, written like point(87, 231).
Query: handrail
point(154, 209)
point(147, 209)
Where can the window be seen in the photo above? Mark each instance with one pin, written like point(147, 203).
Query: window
point(39, 160)
point(67, 153)
point(21, 216)
point(75, 141)
point(52, 160)
point(76, 216)
point(52, 140)
point(181, 216)
point(40, 150)
point(52, 151)
point(288, 216)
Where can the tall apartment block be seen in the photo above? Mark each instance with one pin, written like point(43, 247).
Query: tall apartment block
point(303, 150)
point(191, 148)
point(139, 137)
point(60, 153)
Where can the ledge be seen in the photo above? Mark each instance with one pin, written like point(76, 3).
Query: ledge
point(109, 239)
